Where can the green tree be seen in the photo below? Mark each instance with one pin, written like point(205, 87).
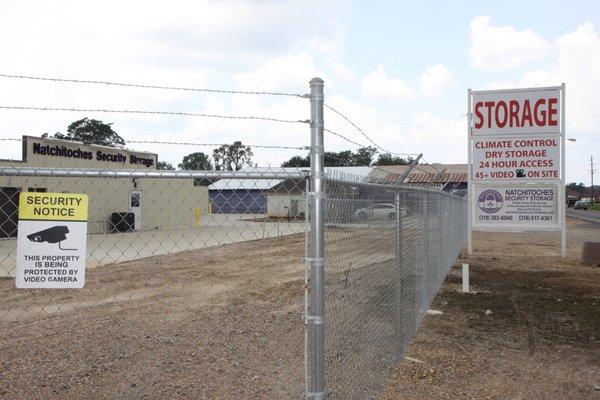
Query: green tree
point(232, 157)
point(165, 166)
point(297, 161)
point(364, 156)
point(92, 131)
point(345, 158)
point(577, 187)
point(388, 159)
point(196, 161)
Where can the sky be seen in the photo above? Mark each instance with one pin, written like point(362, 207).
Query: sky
point(399, 70)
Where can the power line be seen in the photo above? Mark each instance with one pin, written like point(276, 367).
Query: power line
point(122, 84)
point(178, 113)
point(360, 130)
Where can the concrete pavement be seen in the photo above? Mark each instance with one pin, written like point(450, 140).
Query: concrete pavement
point(586, 215)
point(214, 230)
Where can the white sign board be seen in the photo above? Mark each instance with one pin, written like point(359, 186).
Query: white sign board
point(51, 240)
point(522, 206)
point(516, 158)
point(520, 112)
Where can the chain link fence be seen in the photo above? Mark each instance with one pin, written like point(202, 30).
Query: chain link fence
point(388, 251)
point(193, 288)
point(196, 281)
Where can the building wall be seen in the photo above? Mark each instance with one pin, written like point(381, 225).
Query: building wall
point(70, 154)
point(238, 201)
point(165, 203)
point(278, 205)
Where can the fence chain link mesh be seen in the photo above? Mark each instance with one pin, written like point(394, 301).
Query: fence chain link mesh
point(194, 288)
point(388, 250)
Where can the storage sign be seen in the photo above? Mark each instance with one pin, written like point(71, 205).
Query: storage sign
point(516, 158)
point(523, 206)
point(516, 112)
point(51, 240)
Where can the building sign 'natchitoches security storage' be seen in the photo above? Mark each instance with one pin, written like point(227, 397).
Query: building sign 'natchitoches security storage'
point(516, 160)
point(51, 242)
point(521, 206)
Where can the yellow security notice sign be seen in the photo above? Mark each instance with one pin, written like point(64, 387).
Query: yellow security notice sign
point(53, 206)
point(51, 240)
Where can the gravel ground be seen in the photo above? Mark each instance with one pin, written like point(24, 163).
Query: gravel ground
point(224, 323)
point(220, 323)
point(542, 340)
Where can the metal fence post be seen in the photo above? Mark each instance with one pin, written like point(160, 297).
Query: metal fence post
point(317, 240)
point(398, 275)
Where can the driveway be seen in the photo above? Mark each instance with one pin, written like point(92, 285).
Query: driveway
point(586, 215)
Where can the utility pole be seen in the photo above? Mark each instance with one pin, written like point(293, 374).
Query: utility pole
point(592, 175)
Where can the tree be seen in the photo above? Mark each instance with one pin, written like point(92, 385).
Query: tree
point(165, 166)
point(345, 158)
point(297, 161)
point(364, 156)
point(232, 157)
point(92, 131)
point(388, 159)
point(196, 161)
point(577, 187)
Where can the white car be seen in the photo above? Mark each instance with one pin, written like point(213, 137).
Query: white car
point(378, 211)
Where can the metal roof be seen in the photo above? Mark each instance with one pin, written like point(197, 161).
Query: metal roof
point(265, 184)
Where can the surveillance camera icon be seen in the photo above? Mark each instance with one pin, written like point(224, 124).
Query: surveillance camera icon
point(56, 234)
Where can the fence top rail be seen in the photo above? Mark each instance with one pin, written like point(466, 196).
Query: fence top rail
point(124, 173)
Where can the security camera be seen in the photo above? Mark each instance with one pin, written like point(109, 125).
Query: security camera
point(56, 234)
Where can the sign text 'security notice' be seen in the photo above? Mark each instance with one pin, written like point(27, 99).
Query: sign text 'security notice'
point(51, 240)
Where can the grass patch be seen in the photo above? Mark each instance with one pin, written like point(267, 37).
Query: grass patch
point(594, 207)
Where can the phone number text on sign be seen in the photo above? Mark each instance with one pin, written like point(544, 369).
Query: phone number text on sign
point(536, 158)
point(521, 206)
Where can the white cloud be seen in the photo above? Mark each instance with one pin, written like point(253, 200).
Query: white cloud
point(577, 65)
point(378, 85)
point(499, 48)
point(281, 73)
point(232, 45)
point(435, 81)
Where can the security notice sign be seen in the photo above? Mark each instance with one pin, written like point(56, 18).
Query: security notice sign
point(51, 240)
point(524, 206)
point(510, 158)
point(516, 160)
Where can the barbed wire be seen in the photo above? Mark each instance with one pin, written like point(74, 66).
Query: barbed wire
point(143, 86)
point(258, 146)
point(178, 113)
point(360, 130)
point(361, 145)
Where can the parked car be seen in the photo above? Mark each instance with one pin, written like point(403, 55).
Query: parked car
point(581, 205)
point(378, 211)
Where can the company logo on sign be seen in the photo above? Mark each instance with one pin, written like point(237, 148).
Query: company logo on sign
point(490, 201)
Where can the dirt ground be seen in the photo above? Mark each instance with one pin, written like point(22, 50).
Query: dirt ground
point(541, 341)
point(225, 323)
point(220, 323)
